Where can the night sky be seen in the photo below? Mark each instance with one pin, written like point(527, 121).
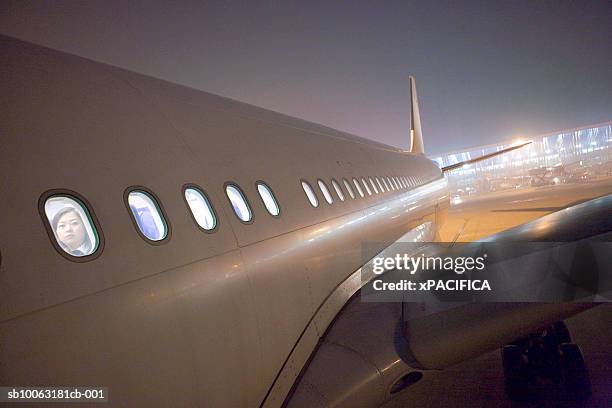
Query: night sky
point(486, 70)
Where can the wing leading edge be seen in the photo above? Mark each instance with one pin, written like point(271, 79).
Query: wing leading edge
point(485, 157)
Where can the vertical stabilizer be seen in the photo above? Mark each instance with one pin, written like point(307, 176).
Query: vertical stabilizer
point(416, 136)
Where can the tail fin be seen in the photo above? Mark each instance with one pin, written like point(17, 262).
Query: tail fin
point(416, 136)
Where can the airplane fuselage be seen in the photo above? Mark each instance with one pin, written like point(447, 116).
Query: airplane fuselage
point(226, 317)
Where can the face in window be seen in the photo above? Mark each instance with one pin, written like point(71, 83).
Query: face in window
point(70, 231)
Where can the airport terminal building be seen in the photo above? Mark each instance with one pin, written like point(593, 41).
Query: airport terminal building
point(569, 156)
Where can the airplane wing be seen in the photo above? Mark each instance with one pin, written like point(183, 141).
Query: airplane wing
point(363, 358)
point(485, 157)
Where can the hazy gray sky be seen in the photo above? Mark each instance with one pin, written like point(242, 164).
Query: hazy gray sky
point(486, 70)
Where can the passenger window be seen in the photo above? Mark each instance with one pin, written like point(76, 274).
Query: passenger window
point(200, 208)
point(365, 184)
point(325, 191)
point(348, 187)
point(380, 185)
point(359, 190)
point(147, 215)
point(385, 183)
point(72, 226)
point(312, 197)
point(390, 183)
point(394, 179)
point(268, 198)
point(338, 189)
point(373, 185)
point(239, 203)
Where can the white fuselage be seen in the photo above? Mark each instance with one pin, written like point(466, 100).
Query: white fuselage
point(204, 319)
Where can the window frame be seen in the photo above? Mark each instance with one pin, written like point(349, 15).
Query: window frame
point(160, 208)
point(208, 201)
point(380, 186)
point(347, 184)
point(86, 206)
point(373, 185)
point(323, 189)
point(314, 193)
point(365, 185)
point(358, 188)
point(272, 193)
point(385, 183)
point(338, 187)
point(244, 197)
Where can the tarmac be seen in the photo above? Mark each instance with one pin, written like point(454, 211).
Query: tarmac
point(480, 382)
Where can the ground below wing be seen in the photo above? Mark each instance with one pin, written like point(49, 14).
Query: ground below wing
point(488, 214)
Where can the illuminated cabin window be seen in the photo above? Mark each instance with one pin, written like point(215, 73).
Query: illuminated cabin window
point(385, 183)
point(401, 182)
point(147, 215)
point(338, 189)
point(373, 185)
point(348, 187)
point(72, 226)
point(390, 184)
point(380, 185)
point(365, 185)
point(394, 179)
point(239, 203)
point(200, 208)
point(406, 181)
point(325, 191)
point(310, 194)
point(359, 190)
point(268, 198)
